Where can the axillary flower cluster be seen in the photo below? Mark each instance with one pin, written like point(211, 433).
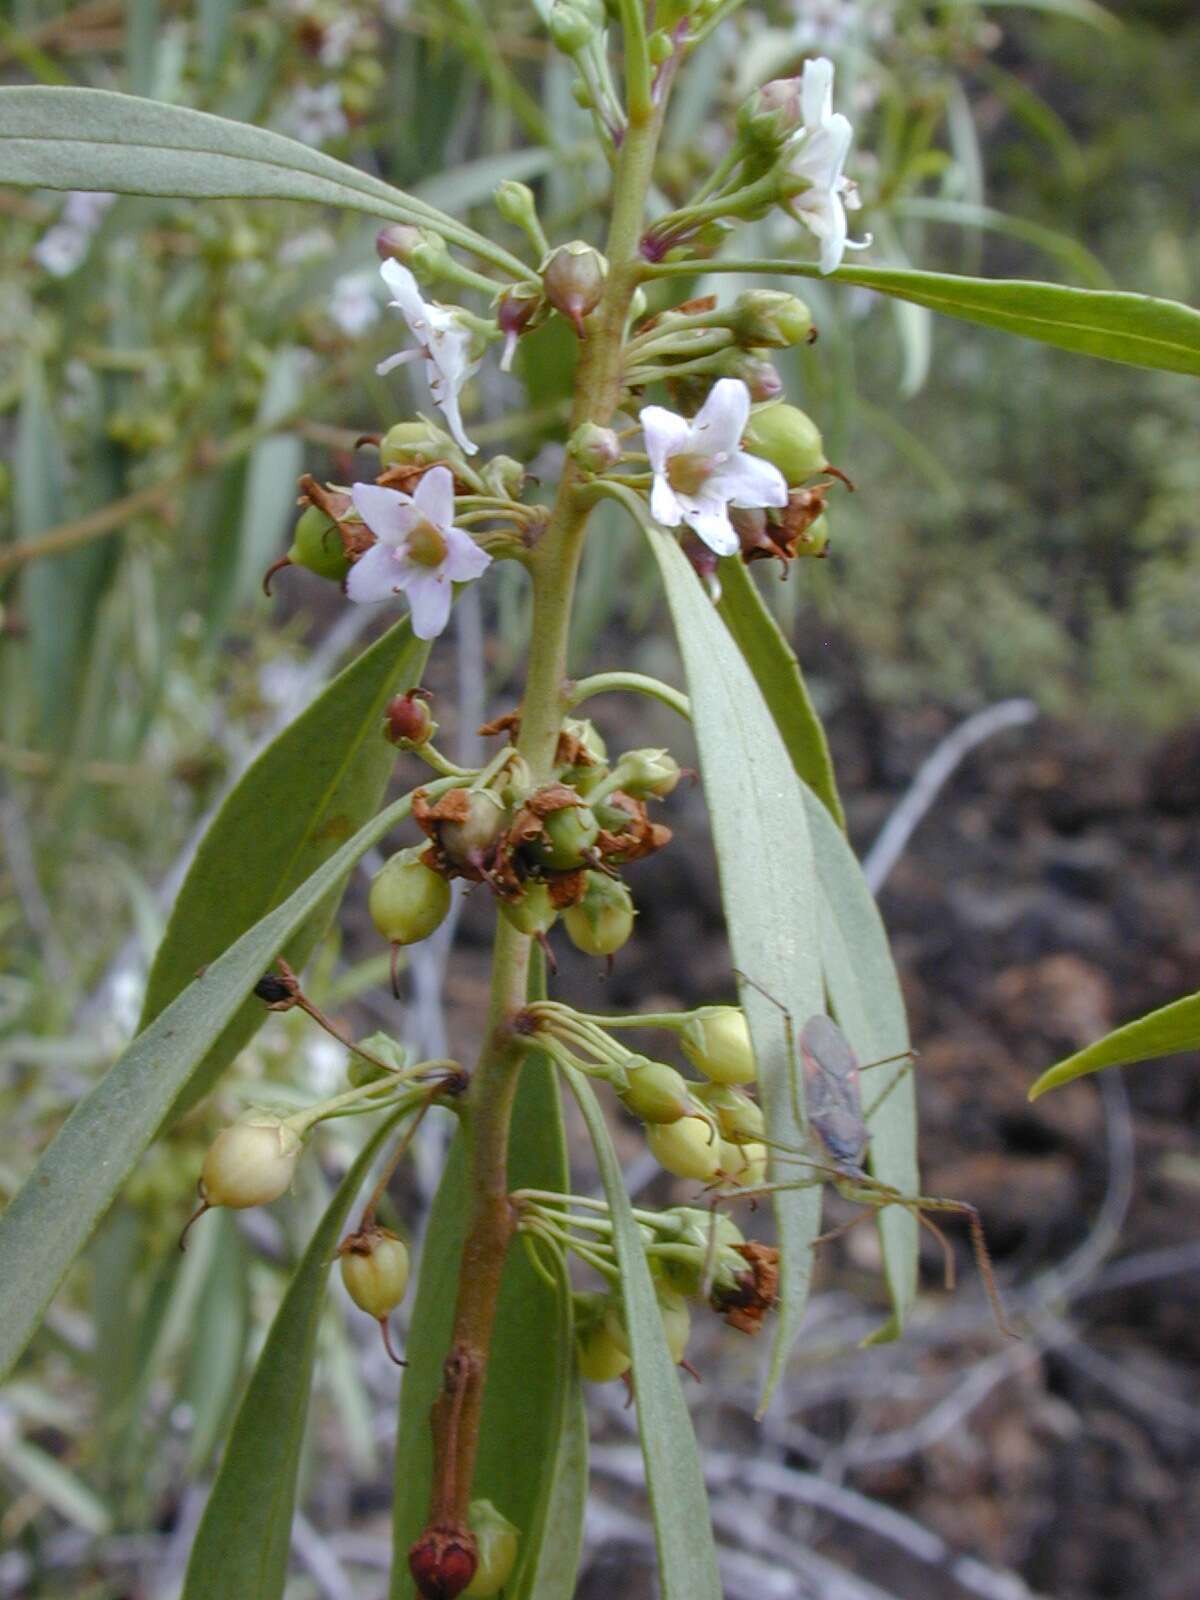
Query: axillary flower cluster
point(679, 418)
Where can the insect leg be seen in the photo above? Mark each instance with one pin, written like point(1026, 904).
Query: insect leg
point(983, 1259)
point(870, 1110)
point(789, 1041)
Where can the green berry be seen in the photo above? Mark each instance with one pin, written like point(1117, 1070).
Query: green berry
point(569, 834)
point(602, 922)
point(787, 437)
point(375, 1269)
point(317, 545)
point(534, 913)
point(688, 1148)
point(717, 1042)
point(408, 900)
point(655, 1092)
point(250, 1163)
point(496, 1543)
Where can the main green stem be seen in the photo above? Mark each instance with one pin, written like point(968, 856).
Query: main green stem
point(488, 1112)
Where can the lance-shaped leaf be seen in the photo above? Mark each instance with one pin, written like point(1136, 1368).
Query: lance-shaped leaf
point(53, 1215)
point(777, 672)
point(1137, 329)
point(768, 891)
point(532, 1409)
point(1165, 1032)
point(307, 792)
point(687, 1557)
point(241, 1547)
point(67, 138)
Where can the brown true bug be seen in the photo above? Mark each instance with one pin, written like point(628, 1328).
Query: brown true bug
point(839, 1133)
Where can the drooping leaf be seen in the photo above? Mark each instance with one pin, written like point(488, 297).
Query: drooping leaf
point(554, 1573)
point(1137, 329)
point(307, 792)
point(865, 997)
point(216, 1350)
point(777, 672)
point(96, 139)
point(53, 1215)
point(531, 1399)
point(768, 891)
point(1168, 1031)
point(687, 1557)
point(242, 1544)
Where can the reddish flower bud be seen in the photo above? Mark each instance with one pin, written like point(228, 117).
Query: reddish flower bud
point(443, 1561)
point(397, 241)
point(574, 276)
point(408, 721)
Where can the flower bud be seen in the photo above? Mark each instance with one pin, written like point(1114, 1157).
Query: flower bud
point(759, 374)
point(359, 1070)
point(771, 317)
point(649, 772)
point(408, 900)
point(415, 444)
point(654, 1091)
point(692, 1227)
point(426, 254)
point(572, 23)
point(688, 1148)
point(770, 115)
point(496, 1541)
point(516, 310)
point(250, 1163)
point(534, 914)
point(717, 1042)
point(516, 204)
point(397, 241)
point(407, 720)
point(787, 437)
point(443, 1561)
point(676, 1319)
point(570, 832)
point(583, 754)
point(317, 545)
point(603, 920)
point(739, 1118)
point(815, 541)
point(574, 276)
point(744, 1164)
point(594, 448)
point(504, 476)
point(599, 1356)
point(375, 1268)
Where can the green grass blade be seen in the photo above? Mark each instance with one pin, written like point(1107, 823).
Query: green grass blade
point(53, 1215)
point(242, 1543)
point(308, 791)
point(1168, 1031)
point(687, 1557)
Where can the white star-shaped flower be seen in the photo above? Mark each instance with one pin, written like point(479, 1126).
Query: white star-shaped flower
point(700, 469)
point(420, 552)
point(445, 346)
point(820, 156)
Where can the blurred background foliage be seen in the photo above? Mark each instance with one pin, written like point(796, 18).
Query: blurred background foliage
point(1023, 523)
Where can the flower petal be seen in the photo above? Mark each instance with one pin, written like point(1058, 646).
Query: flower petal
point(464, 558)
point(710, 521)
point(374, 576)
point(429, 597)
point(722, 419)
point(816, 91)
point(390, 514)
point(405, 292)
point(664, 503)
point(666, 433)
point(434, 497)
point(392, 362)
point(750, 481)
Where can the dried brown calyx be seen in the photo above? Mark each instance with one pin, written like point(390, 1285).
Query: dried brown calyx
point(757, 1289)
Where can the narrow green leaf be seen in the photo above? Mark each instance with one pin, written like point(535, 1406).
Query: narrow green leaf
point(1068, 252)
point(213, 20)
point(143, 30)
point(768, 890)
point(1166, 1032)
point(95, 139)
point(777, 672)
point(47, 1479)
point(53, 1215)
point(1137, 329)
point(218, 1345)
point(242, 1544)
point(553, 1573)
point(307, 792)
point(865, 997)
point(1086, 11)
point(531, 1399)
point(687, 1557)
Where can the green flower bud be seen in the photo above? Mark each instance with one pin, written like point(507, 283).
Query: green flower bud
point(815, 541)
point(570, 833)
point(594, 448)
point(516, 204)
point(649, 772)
point(375, 1268)
point(739, 1118)
point(317, 545)
point(754, 369)
point(745, 1164)
point(717, 1042)
point(688, 1148)
point(770, 115)
point(504, 476)
point(771, 317)
point(574, 277)
point(397, 241)
point(600, 1357)
point(654, 1091)
point(496, 1542)
point(415, 444)
point(676, 1319)
point(789, 438)
point(359, 1070)
point(534, 914)
point(660, 46)
point(693, 1227)
point(571, 24)
point(408, 900)
point(250, 1163)
point(602, 922)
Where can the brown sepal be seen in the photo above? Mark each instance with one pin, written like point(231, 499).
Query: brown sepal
point(757, 1289)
